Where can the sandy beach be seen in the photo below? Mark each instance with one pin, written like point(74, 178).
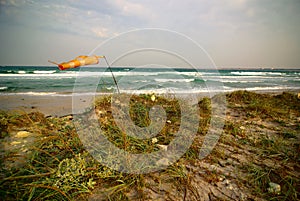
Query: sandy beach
point(48, 105)
point(54, 106)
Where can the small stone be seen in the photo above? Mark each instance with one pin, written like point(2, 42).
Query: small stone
point(274, 188)
point(230, 187)
point(100, 112)
point(242, 127)
point(153, 98)
point(221, 178)
point(22, 134)
point(169, 121)
point(154, 140)
point(162, 147)
point(163, 162)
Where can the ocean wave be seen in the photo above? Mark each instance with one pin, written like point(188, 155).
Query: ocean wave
point(240, 81)
point(139, 81)
point(173, 80)
point(257, 73)
point(3, 88)
point(38, 75)
point(40, 93)
point(44, 71)
point(199, 90)
point(273, 88)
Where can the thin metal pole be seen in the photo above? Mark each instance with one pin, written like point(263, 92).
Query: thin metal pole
point(112, 74)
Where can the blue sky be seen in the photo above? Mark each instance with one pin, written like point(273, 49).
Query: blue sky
point(236, 33)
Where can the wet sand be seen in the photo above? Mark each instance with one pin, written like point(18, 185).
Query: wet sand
point(48, 105)
point(54, 106)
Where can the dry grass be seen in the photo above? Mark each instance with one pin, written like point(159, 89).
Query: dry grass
point(56, 166)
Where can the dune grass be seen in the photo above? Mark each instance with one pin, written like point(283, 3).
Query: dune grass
point(55, 166)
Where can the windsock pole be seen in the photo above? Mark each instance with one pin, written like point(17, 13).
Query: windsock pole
point(53, 62)
point(112, 74)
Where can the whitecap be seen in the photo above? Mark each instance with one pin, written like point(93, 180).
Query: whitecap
point(44, 71)
point(3, 88)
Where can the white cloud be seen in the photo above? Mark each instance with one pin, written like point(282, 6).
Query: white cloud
point(100, 32)
point(212, 21)
point(130, 8)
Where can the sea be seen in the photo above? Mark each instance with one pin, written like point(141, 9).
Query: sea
point(50, 81)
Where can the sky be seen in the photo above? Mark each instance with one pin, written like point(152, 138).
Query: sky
point(235, 33)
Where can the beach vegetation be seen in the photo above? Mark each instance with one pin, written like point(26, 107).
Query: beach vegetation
point(259, 145)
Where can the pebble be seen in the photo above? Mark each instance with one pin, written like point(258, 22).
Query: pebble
point(100, 112)
point(169, 121)
point(242, 127)
point(22, 134)
point(230, 187)
point(274, 188)
point(221, 178)
point(154, 140)
point(162, 147)
point(153, 98)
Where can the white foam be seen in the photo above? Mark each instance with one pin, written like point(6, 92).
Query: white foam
point(275, 88)
point(38, 75)
point(239, 81)
point(248, 73)
point(39, 93)
point(174, 80)
point(44, 71)
point(275, 73)
point(3, 88)
point(257, 73)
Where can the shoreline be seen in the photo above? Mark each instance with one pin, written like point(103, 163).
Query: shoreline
point(58, 105)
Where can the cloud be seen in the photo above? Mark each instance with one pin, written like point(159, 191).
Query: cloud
point(129, 8)
point(101, 32)
point(254, 24)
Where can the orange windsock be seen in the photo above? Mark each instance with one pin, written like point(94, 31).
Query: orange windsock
point(78, 61)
